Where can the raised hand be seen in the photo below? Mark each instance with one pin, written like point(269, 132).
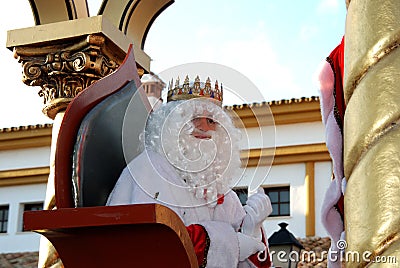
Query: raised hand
point(258, 207)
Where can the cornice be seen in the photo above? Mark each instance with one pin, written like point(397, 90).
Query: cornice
point(24, 176)
point(292, 111)
point(25, 137)
point(286, 155)
point(256, 157)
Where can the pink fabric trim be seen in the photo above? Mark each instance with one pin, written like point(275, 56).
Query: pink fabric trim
point(326, 83)
point(329, 215)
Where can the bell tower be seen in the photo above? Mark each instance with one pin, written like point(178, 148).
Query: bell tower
point(153, 87)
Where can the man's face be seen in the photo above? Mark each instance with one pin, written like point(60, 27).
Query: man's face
point(202, 126)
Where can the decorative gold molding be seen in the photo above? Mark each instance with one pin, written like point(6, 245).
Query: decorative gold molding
point(310, 198)
point(24, 176)
point(286, 155)
point(25, 137)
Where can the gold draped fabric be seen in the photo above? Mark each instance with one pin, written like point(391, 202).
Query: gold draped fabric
point(372, 133)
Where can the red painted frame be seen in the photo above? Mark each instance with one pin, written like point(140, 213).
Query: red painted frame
point(145, 235)
point(73, 117)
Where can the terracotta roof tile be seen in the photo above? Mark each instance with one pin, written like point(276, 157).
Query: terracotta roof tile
point(19, 260)
point(272, 103)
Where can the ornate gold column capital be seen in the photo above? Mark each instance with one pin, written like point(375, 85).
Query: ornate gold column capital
point(63, 70)
point(66, 57)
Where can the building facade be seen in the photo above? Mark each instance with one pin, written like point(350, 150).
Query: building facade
point(301, 166)
point(296, 181)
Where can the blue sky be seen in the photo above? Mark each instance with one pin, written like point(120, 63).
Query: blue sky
point(277, 44)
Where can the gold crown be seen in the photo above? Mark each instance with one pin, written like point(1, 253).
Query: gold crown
point(187, 91)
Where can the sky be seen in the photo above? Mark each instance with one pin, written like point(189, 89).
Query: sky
point(277, 44)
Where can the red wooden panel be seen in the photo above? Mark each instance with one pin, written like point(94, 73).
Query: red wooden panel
point(74, 114)
point(145, 235)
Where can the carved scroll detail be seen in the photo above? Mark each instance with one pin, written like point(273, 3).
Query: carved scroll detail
point(65, 70)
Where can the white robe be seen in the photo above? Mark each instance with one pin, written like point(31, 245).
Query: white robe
point(159, 183)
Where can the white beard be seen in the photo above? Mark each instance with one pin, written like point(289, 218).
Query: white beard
point(204, 164)
point(210, 167)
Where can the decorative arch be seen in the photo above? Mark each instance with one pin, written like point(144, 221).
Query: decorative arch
point(45, 11)
point(134, 17)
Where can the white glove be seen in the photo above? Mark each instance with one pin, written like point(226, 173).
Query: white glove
point(248, 246)
point(257, 210)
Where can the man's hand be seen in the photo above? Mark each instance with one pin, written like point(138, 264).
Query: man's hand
point(258, 207)
point(248, 246)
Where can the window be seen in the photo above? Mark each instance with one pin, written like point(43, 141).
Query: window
point(279, 196)
point(280, 200)
point(32, 207)
point(3, 218)
point(242, 194)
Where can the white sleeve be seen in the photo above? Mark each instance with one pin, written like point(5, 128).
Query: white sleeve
point(123, 190)
point(224, 245)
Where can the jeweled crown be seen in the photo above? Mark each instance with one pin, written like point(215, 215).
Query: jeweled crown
point(196, 89)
